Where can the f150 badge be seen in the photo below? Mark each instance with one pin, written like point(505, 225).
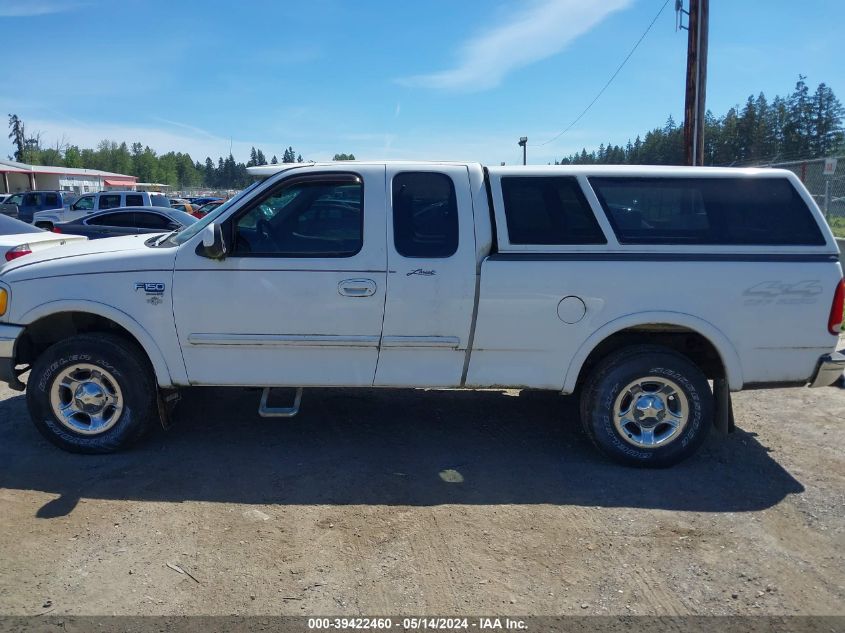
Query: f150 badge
point(153, 290)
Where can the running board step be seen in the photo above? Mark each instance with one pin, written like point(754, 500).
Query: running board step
point(266, 411)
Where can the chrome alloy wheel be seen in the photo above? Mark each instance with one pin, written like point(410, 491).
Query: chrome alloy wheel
point(86, 399)
point(651, 412)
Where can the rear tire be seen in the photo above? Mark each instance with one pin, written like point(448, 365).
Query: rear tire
point(47, 226)
point(93, 393)
point(647, 406)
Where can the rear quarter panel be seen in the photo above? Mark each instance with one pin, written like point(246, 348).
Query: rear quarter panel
point(767, 319)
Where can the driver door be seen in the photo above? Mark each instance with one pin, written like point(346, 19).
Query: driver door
point(299, 299)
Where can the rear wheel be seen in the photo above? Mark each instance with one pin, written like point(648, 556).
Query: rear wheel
point(647, 406)
point(92, 394)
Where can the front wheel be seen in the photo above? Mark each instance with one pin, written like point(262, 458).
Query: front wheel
point(92, 394)
point(647, 406)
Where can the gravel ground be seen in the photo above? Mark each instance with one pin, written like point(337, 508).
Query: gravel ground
point(410, 502)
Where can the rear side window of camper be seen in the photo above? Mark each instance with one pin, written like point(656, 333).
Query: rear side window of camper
point(721, 211)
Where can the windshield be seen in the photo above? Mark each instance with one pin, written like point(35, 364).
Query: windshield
point(185, 234)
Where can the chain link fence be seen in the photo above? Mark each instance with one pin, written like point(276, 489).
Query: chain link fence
point(827, 190)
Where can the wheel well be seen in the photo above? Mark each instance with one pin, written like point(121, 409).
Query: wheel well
point(41, 334)
point(683, 340)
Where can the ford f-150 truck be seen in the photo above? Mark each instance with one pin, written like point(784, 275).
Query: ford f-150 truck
point(651, 292)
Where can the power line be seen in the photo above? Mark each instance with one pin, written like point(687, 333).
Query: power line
point(612, 77)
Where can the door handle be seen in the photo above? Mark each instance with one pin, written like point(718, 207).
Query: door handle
point(357, 287)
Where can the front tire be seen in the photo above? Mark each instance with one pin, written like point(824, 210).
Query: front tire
point(93, 393)
point(647, 406)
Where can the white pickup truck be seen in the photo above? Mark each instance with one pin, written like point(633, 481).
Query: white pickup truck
point(636, 287)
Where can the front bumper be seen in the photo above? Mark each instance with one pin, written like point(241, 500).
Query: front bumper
point(8, 339)
point(830, 369)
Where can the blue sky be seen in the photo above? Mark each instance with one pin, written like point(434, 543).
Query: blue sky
point(431, 79)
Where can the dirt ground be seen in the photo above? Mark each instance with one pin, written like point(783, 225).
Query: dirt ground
point(413, 502)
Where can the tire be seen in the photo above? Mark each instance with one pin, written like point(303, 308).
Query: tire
point(647, 406)
point(47, 226)
point(101, 380)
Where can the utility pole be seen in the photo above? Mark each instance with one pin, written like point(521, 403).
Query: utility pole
point(694, 105)
point(523, 143)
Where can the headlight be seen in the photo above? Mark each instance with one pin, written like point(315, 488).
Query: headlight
point(4, 300)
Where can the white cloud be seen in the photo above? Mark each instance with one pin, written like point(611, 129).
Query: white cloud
point(540, 31)
point(30, 8)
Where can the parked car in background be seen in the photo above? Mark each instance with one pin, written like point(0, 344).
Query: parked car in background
point(127, 221)
point(100, 201)
point(201, 200)
point(9, 205)
point(25, 204)
point(5, 196)
point(182, 205)
point(207, 208)
point(19, 238)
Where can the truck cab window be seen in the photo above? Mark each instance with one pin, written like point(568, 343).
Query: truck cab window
point(305, 219)
point(425, 215)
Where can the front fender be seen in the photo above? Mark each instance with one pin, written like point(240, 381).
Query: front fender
point(162, 372)
point(726, 350)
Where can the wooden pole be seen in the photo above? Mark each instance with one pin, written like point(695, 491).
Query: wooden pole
point(696, 88)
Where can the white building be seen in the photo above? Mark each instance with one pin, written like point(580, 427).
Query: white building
point(15, 176)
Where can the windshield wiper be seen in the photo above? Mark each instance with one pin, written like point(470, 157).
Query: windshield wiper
point(164, 238)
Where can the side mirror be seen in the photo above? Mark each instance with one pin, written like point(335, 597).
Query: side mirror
point(212, 246)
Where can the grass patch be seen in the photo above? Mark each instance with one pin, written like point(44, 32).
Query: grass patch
point(837, 223)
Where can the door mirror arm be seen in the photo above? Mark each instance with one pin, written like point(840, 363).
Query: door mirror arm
point(213, 244)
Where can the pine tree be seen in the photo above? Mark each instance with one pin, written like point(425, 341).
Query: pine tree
point(209, 174)
point(274, 160)
point(799, 121)
point(259, 158)
point(826, 122)
point(17, 134)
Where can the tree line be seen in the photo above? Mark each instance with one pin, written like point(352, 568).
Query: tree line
point(176, 169)
point(802, 125)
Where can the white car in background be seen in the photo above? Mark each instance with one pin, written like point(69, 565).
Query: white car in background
point(19, 238)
